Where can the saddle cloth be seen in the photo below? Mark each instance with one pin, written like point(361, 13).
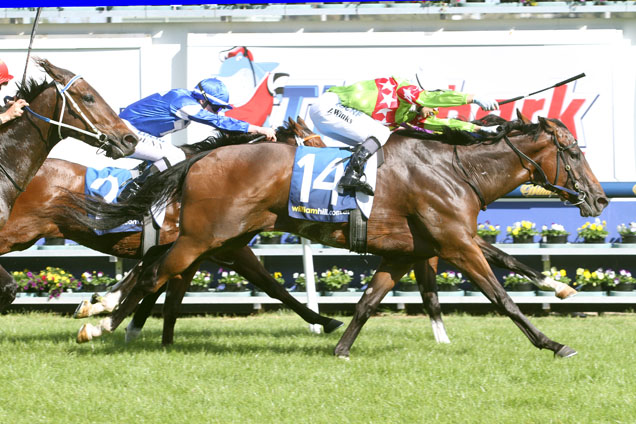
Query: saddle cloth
point(106, 184)
point(313, 194)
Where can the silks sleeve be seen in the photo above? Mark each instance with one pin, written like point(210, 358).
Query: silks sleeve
point(443, 98)
point(436, 124)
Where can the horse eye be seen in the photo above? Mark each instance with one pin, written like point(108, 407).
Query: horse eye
point(88, 98)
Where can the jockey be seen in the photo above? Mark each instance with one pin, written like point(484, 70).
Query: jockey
point(159, 114)
point(15, 108)
point(362, 114)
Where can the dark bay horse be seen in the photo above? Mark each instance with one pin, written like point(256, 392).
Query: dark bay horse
point(25, 142)
point(36, 215)
point(427, 200)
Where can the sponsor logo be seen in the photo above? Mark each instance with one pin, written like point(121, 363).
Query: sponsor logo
point(318, 211)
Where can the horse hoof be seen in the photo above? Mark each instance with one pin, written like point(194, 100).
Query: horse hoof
point(83, 310)
point(332, 325)
point(132, 333)
point(566, 292)
point(565, 352)
point(84, 334)
point(343, 357)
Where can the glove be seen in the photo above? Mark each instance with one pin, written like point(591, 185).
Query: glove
point(486, 103)
point(494, 129)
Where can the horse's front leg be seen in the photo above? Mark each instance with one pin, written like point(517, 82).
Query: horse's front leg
point(467, 257)
point(501, 259)
point(387, 274)
point(152, 276)
point(247, 264)
point(136, 324)
point(425, 272)
point(174, 296)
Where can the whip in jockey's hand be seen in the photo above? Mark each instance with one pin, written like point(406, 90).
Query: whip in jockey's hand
point(163, 113)
point(362, 115)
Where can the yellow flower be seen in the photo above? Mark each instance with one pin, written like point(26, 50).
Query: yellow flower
point(277, 275)
point(599, 227)
point(412, 275)
point(491, 228)
point(509, 229)
point(526, 224)
point(563, 273)
point(515, 232)
point(587, 224)
point(444, 274)
point(587, 274)
point(579, 271)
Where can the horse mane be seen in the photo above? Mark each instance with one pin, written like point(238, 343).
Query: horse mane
point(32, 88)
point(228, 138)
point(464, 138)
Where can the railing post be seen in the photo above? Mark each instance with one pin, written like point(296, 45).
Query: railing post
point(310, 281)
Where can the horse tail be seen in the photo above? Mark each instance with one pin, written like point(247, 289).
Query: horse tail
point(159, 189)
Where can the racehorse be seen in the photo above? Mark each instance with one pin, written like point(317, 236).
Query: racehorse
point(427, 200)
point(25, 142)
point(36, 215)
point(425, 272)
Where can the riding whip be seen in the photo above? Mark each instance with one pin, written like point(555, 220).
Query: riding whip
point(581, 75)
point(35, 26)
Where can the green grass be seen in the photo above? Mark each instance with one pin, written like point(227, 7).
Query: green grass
point(270, 369)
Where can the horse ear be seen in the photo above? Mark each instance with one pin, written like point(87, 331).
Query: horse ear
point(58, 74)
point(546, 124)
point(522, 117)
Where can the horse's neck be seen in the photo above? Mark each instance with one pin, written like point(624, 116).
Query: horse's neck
point(25, 146)
point(495, 168)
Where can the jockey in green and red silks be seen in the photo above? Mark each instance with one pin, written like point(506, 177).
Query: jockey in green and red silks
point(363, 114)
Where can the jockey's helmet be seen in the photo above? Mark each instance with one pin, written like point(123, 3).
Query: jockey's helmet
point(213, 91)
point(4, 73)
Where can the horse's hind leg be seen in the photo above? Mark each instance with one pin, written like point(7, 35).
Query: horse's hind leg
point(247, 264)
point(383, 281)
point(472, 262)
point(425, 272)
point(501, 259)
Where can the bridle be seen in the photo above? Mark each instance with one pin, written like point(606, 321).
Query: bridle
point(63, 90)
point(301, 141)
point(573, 198)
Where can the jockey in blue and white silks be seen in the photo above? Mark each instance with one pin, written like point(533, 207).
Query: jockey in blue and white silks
point(159, 114)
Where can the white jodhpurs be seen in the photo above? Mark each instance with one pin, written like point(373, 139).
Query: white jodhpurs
point(156, 150)
point(343, 123)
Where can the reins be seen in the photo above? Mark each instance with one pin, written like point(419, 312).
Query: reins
point(545, 183)
point(63, 90)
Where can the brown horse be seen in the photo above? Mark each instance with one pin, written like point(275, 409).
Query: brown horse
point(67, 106)
point(30, 221)
point(424, 271)
point(426, 205)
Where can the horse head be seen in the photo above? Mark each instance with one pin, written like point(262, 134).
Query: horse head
point(563, 169)
point(297, 133)
point(87, 114)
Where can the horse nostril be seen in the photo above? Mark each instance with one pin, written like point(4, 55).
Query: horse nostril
point(130, 138)
point(602, 201)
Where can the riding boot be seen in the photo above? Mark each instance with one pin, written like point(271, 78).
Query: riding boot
point(355, 169)
point(133, 187)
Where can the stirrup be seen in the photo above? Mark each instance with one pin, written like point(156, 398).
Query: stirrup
point(357, 185)
point(129, 191)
